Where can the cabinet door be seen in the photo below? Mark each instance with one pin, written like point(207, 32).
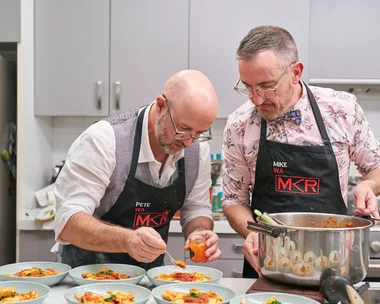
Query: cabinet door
point(217, 27)
point(71, 57)
point(149, 43)
point(344, 39)
point(10, 20)
point(35, 245)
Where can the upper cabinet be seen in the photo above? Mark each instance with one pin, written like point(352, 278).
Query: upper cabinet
point(98, 57)
point(149, 43)
point(10, 20)
point(217, 27)
point(344, 41)
point(71, 57)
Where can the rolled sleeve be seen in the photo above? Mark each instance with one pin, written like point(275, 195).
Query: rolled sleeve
point(198, 202)
point(236, 172)
point(86, 174)
point(364, 148)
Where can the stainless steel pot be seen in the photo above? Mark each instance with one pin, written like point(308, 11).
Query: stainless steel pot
point(298, 252)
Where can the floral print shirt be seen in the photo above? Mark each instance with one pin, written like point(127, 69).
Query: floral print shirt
point(349, 132)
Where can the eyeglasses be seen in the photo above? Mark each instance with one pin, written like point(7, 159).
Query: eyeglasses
point(179, 135)
point(264, 93)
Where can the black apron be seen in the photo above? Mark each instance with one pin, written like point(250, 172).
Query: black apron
point(292, 178)
point(138, 205)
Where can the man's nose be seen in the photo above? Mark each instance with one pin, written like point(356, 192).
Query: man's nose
point(188, 142)
point(257, 99)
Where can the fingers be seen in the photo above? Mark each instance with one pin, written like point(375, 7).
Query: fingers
point(215, 255)
point(250, 250)
point(359, 196)
point(152, 239)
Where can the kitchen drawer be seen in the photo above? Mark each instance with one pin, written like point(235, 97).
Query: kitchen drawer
point(231, 246)
point(230, 268)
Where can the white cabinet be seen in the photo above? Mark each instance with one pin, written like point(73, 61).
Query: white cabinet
point(10, 20)
point(149, 43)
point(97, 57)
point(344, 39)
point(217, 27)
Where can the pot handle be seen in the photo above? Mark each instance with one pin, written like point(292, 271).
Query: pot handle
point(263, 228)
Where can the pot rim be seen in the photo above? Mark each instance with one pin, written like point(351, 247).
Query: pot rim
point(368, 224)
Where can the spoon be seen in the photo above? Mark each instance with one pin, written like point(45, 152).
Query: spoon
point(178, 263)
point(367, 214)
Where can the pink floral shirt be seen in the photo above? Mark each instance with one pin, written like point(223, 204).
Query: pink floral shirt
point(349, 132)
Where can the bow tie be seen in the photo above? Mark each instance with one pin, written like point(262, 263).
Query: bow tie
point(294, 116)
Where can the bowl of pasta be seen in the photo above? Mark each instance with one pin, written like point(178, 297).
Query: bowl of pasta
point(192, 293)
point(111, 293)
point(101, 273)
point(47, 273)
point(171, 274)
point(23, 292)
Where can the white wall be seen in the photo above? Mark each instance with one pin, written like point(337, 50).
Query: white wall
point(34, 135)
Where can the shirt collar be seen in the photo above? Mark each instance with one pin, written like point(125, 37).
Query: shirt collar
point(146, 154)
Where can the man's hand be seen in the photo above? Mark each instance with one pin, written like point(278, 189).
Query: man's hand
point(365, 199)
point(213, 252)
point(145, 245)
point(250, 250)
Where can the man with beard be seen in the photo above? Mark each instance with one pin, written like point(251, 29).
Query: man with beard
point(289, 148)
point(127, 175)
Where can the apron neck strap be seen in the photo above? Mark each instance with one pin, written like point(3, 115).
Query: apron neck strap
point(318, 119)
point(137, 144)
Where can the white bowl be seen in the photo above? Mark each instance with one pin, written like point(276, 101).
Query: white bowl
point(215, 274)
point(48, 280)
point(142, 294)
point(283, 298)
point(25, 287)
point(224, 292)
point(130, 270)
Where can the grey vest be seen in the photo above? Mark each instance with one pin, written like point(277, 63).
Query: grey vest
point(124, 125)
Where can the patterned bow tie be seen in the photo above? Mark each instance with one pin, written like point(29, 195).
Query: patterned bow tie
point(294, 116)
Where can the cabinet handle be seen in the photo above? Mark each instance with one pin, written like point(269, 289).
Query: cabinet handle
point(237, 274)
point(99, 94)
point(117, 94)
point(237, 247)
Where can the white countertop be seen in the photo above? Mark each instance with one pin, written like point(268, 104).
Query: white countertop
point(240, 286)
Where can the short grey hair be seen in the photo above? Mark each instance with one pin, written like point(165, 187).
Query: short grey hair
point(268, 37)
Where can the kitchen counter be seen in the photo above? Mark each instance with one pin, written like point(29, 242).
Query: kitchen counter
point(240, 286)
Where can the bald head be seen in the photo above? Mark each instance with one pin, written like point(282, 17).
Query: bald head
point(190, 92)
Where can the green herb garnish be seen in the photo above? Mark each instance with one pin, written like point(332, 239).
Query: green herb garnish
point(28, 274)
point(109, 299)
point(194, 295)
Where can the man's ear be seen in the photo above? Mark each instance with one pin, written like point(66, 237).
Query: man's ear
point(297, 72)
point(160, 103)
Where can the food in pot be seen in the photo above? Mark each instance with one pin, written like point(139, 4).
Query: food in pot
point(285, 265)
point(332, 222)
point(270, 263)
point(309, 257)
point(303, 269)
point(282, 253)
point(322, 263)
point(334, 259)
point(296, 256)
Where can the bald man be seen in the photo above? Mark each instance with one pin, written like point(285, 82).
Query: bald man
point(126, 176)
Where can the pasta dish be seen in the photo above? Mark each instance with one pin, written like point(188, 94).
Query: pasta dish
point(34, 272)
point(177, 276)
point(9, 295)
point(194, 296)
point(105, 274)
point(115, 297)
